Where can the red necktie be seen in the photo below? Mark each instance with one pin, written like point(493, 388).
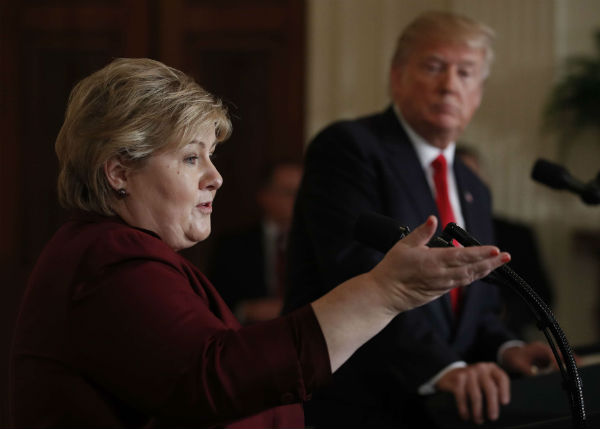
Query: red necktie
point(442, 199)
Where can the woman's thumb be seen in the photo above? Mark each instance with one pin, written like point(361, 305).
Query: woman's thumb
point(421, 234)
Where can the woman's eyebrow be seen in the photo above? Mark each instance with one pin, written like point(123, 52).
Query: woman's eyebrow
point(203, 145)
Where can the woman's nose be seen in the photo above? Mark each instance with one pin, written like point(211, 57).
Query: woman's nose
point(212, 179)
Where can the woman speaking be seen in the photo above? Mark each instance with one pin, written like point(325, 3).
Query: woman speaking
point(116, 329)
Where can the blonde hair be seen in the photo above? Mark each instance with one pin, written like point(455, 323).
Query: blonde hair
point(448, 27)
point(131, 108)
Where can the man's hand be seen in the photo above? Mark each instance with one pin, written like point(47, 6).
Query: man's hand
point(528, 359)
point(474, 384)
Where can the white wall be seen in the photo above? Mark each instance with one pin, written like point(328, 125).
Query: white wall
point(350, 43)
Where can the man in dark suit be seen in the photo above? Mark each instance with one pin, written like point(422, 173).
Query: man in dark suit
point(254, 289)
point(390, 163)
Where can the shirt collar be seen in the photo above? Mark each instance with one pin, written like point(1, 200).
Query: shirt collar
point(425, 151)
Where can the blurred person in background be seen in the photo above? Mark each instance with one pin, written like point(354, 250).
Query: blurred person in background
point(255, 290)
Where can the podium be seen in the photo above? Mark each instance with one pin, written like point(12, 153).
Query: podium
point(536, 402)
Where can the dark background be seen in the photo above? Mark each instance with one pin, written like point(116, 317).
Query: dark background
point(248, 52)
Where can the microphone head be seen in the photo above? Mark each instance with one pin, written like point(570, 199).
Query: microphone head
point(453, 231)
point(379, 232)
point(550, 174)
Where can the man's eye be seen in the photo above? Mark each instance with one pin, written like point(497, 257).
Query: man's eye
point(465, 73)
point(433, 67)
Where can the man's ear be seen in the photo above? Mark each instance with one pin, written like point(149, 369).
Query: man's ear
point(116, 173)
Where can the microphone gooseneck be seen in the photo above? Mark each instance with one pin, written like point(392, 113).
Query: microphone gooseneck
point(546, 322)
point(381, 233)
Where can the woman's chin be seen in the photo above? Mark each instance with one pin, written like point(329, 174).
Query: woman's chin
point(186, 242)
point(198, 235)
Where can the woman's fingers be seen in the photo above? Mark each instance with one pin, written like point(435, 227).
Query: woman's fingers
point(474, 263)
point(413, 274)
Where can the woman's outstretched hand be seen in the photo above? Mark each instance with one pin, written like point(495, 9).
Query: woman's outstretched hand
point(413, 274)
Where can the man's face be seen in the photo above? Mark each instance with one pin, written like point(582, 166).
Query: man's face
point(438, 88)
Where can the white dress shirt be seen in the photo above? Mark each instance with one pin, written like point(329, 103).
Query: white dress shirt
point(426, 154)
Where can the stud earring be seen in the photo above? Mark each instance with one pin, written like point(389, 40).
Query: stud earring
point(122, 193)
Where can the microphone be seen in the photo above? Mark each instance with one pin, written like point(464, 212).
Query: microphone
point(379, 232)
point(557, 177)
point(382, 232)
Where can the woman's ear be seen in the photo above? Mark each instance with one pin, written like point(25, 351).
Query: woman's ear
point(116, 173)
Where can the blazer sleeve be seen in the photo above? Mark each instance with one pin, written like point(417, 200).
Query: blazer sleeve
point(140, 332)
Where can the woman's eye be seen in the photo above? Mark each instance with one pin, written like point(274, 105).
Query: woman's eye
point(191, 159)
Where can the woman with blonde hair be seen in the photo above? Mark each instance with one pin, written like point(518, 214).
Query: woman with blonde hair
point(118, 329)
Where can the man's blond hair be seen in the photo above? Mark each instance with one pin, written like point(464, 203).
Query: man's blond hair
point(447, 27)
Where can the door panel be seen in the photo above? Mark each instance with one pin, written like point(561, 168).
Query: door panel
point(250, 53)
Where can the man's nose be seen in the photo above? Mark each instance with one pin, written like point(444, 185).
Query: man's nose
point(450, 80)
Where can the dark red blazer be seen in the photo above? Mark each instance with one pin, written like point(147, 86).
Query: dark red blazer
point(118, 330)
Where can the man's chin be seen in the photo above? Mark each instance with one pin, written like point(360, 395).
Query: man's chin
point(448, 125)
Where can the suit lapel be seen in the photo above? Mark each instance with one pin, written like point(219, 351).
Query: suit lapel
point(467, 197)
point(407, 166)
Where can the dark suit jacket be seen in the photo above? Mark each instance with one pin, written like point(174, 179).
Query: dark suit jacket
point(118, 330)
point(244, 251)
point(367, 165)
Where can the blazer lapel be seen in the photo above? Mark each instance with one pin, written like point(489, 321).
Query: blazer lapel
point(468, 203)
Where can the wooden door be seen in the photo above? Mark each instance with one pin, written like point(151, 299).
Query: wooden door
point(248, 52)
